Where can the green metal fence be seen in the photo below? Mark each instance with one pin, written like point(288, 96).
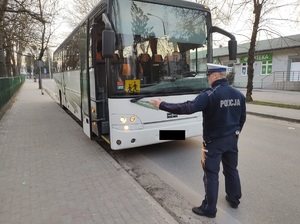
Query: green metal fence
point(8, 87)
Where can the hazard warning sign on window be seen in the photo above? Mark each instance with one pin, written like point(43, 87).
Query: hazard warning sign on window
point(132, 86)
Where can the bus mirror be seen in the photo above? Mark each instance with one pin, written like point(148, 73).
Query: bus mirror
point(232, 48)
point(232, 45)
point(108, 43)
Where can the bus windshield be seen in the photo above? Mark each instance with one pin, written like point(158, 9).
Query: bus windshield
point(155, 47)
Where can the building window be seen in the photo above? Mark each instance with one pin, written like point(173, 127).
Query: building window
point(266, 68)
point(296, 59)
point(244, 69)
point(266, 63)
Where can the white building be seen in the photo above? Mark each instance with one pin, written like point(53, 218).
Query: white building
point(277, 63)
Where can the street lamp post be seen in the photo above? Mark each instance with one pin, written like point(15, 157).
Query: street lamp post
point(163, 23)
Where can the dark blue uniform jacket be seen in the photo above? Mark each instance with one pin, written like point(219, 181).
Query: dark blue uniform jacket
point(222, 106)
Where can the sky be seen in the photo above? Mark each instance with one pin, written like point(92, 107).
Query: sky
point(241, 25)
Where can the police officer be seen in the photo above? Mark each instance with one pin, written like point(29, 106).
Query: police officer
point(224, 114)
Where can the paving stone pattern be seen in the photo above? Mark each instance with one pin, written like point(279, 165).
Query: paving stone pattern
point(50, 172)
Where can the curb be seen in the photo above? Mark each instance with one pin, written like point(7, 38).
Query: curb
point(147, 196)
point(274, 117)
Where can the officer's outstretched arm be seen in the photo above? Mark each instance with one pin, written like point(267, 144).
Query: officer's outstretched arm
point(156, 103)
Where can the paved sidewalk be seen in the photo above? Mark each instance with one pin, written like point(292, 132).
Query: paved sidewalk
point(50, 172)
point(291, 115)
point(275, 96)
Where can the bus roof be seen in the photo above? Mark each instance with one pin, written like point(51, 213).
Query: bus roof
point(102, 5)
point(179, 3)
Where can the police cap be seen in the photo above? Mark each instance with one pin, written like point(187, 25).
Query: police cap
point(216, 68)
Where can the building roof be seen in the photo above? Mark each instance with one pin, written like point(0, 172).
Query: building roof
point(263, 45)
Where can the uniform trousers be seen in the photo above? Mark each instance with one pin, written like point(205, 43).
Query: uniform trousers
point(224, 149)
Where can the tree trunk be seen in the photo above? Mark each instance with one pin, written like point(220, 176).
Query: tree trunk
point(251, 52)
point(20, 50)
point(7, 62)
point(3, 72)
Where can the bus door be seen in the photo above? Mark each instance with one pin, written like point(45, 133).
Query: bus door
point(85, 81)
point(99, 101)
point(62, 93)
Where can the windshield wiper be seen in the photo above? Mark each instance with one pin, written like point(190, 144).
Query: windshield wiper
point(173, 89)
point(137, 98)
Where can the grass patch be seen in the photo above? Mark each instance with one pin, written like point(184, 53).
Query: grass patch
point(290, 106)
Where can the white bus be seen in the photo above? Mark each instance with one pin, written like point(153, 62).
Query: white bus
point(125, 53)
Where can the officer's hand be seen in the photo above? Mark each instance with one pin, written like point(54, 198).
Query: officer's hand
point(156, 103)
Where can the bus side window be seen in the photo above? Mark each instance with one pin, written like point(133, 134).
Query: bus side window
point(157, 58)
point(126, 69)
point(145, 67)
point(98, 51)
point(116, 66)
point(116, 58)
point(176, 56)
point(157, 67)
point(168, 58)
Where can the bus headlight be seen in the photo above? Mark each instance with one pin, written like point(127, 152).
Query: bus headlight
point(132, 119)
point(126, 122)
point(123, 120)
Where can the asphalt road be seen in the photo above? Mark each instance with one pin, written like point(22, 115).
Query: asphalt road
point(268, 164)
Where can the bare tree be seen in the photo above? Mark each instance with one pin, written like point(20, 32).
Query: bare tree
point(266, 18)
point(251, 52)
point(3, 6)
point(24, 24)
point(221, 13)
point(14, 26)
point(48, 11)
point(17, 34)
point(79, 9)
